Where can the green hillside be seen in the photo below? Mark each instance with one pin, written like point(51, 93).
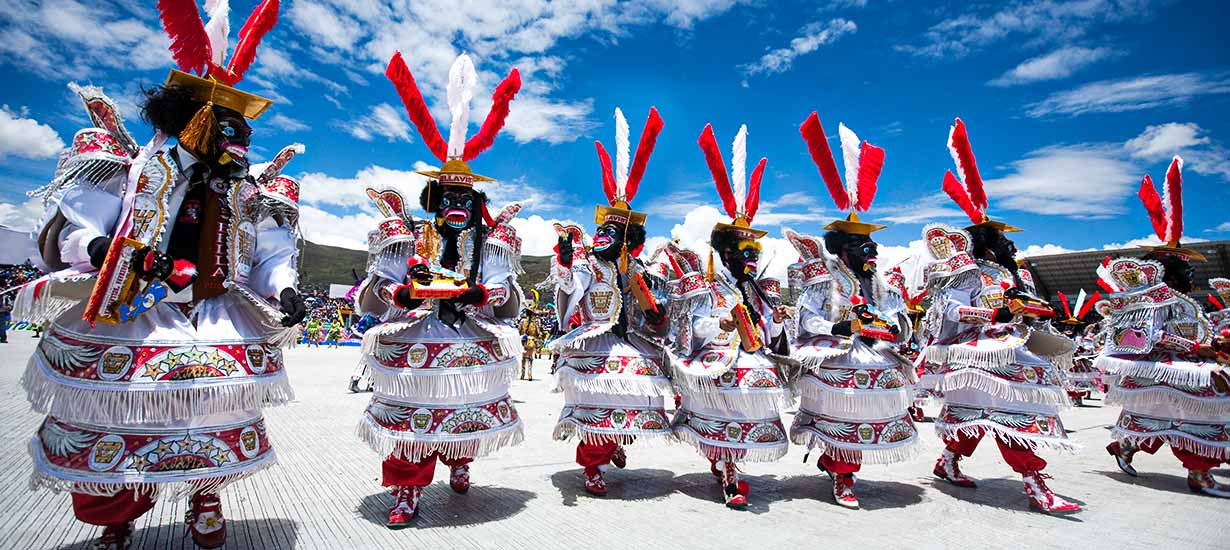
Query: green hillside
point(324, 265)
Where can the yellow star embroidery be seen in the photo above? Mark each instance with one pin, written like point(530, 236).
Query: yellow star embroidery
point(163, 449)
point(138, 462)
point(186, 444)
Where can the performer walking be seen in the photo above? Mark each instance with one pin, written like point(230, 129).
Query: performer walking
point(447, 347)
point(612, 365)
point(731, 356)
point(1162, 351)
point(154, 385)
point(986, 354)
point(856, 389)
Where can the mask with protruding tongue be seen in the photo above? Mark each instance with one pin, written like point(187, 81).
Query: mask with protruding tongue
point(456, 218)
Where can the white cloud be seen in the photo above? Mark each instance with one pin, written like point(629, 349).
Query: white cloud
point(1131, 94)
point(498, 35)
point(1058, 64)
point(934, 207)
point(1223, 227)
point(1034, 23)
point(286, 124)
point(21, 217)
point(537, 234)
point(25, 137)
point(383, 120)
point(810, 38)
point(1078, 181)
point(66, 38)
point(1200, 153)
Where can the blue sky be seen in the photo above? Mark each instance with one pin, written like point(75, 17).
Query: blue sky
point(1067, 103)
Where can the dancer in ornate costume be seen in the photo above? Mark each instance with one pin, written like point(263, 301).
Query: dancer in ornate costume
point(612, 365)
point(1080, 377)
point(172, 290)
point(987, 353)
point(1167, 362)
point(730, 359)
point(447, 347)
point(855, 389)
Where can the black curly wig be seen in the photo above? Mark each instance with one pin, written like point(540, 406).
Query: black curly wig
point(836, 241)
point(724, 240)
point(635, 236)
point(982, 237)
point(169, 108)
point(1177, 270)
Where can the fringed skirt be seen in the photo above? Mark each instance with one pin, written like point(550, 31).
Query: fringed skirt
point(614, 390)
point(167, 404)
point(735, 416)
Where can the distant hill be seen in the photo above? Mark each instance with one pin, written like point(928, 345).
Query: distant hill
point(323, 265)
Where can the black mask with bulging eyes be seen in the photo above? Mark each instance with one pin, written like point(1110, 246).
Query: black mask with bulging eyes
point(609, 241)
point(740, 256)
point(232, 137)
point(858, 252)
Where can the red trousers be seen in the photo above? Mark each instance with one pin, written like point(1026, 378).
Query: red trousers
point(839, 467)
point(399, 472)
point(1021, 458)
point(590, 456)
point(1190, 460)
point(122, 508)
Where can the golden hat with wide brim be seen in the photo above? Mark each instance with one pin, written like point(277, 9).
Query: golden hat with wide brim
point(1174, 247)
point(740, 227)
point(207, 90)
point(988, 222)
point(618, 213)
point(454, 172)
point(854, 226)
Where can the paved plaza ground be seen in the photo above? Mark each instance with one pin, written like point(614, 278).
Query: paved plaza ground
point(325, 493)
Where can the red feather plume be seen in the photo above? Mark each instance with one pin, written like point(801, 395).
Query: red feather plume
point(416, 108)
point(500, 99)
point(1174, 192)
point(870, 163)
point(956, 191)
point(189, 43)
point(1153, 205)
point(1216, 303)
point(608, 175)
point(717, 167)
point(822, 155)
point(649, 138)
point(963, 154)
point(752, 203)
point(263, 18)
point(1067, 309)
point(1089, 302)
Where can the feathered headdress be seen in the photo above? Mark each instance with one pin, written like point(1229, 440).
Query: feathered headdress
point(622, 183)
point(457, 151)
point(1166, 211)
point(740, 195)
point(1075, 313)
point(863, 164)
point(200, 48)
point(968, 192)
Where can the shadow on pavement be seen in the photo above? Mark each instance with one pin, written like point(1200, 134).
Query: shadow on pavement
point(264, 533)
point(441, 507)
point(769, 489)
point(1159, 481)
point(629, 484)
point(1005, 494)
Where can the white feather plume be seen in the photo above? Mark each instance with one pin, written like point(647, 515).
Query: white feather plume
point(850, 154)
point(462, 79)
point(622, 154)
point(738, 168)
point(218, 29)
point(1080, 302)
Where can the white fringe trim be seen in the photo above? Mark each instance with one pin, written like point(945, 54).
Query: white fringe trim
point(1175, 439)
point(977, 427)
point(758, 404)
point(42, 310)
point(813, 359)
point(440, 383)
point(182, 487)
point(567, 430)
point(570, 380)
point(861, 454)
point(972, 378)
point(1204, 409)
point(774, 453)
point(140, 406)
point(971, 355)
point(854, 404)
point(388, 443)
point(1189, 376)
